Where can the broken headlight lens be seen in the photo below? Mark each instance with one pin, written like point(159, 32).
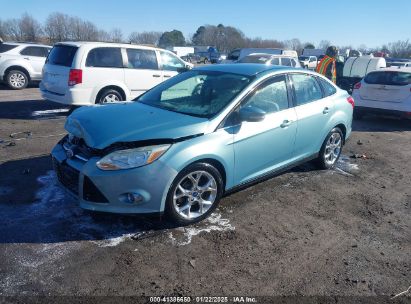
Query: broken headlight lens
point(131, 158)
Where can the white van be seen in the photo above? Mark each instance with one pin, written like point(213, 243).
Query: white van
point(86, 73)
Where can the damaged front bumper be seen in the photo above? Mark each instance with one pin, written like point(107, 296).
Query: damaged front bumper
point(138, 190)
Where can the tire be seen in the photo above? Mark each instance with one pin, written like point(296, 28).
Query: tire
point(109, 96)
point(185, 207)
point(331, 149)
point(205, 61)
point(17, 79)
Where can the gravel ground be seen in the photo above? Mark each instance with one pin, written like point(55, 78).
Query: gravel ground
point(344, 232)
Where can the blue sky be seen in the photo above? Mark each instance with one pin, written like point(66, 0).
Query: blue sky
point(345, 22)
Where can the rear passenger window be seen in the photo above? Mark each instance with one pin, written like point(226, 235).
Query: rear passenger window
point(105, 57)
point(306, 88)
point(328, 88)
point(271, 97)
point(34, 51)
point(142, 59)
point(286, 61)
point(4, 47)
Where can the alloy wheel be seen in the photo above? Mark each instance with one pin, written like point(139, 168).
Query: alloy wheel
point(195, 194)
point(17, 80)
point(333, 148)
point(110, 98)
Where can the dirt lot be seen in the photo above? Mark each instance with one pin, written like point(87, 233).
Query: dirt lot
point(344, 232)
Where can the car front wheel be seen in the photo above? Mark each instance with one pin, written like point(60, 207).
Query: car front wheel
point(194, 194)
point(17, 80)
point(331, 149)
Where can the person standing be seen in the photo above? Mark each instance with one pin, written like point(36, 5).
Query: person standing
point(327, 65)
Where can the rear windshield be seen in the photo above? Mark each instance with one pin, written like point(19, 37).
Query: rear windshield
point(62, 55)
point(4, 47)
point(255, 59)
point(388, 78)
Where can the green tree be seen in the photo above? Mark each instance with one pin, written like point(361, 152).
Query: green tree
point(173, 38)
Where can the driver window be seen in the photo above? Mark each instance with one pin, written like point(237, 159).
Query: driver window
point(270, 97)
point(170, 62)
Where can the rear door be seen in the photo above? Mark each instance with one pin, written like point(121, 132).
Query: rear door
point(142, 70)
point(387, 87)
point(170, 64)
point(313, 113)
point(36, 56)
point(57, 68)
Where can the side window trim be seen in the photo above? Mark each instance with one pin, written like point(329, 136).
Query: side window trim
point(250, 93)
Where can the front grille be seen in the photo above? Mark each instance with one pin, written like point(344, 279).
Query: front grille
point(67, 175)
point(91, 193)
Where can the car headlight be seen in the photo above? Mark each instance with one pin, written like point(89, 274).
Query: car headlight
point(131, 158)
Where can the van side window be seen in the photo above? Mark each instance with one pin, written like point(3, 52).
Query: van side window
point(105, 57)
point(285, 61)
point(306, 88)
point(142, 59)
point(270, 97)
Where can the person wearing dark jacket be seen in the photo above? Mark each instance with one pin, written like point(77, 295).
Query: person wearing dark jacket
point(327, 65)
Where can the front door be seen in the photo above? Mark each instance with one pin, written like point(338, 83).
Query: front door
point(260, 147)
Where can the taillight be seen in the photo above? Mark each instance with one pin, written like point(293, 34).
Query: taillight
point(75, 77)
point(351, 101)
point(357, 86)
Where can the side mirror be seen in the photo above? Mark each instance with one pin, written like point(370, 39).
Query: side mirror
point(251, 114)
point(184, 69)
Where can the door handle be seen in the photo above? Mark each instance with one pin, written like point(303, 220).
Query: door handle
point(167, 76)
point(27, 58)
point(326, 110)
point(286, 123)
point(156, 75)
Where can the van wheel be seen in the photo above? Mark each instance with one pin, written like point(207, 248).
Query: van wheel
point(17, 79)
point(205, 61)
point(331, 149)
point(194, 194)
point(109, 96)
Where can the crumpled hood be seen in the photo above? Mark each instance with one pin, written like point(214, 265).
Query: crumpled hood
point(101, 126)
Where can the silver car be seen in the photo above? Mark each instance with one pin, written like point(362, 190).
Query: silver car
point(270, 59)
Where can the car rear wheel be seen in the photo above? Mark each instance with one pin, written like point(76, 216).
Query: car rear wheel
point(205, 60)
point(331, 149)
point(17, 79)
point(110, 96)
point(194, 194)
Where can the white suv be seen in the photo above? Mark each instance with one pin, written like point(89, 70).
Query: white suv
point(86, 73)
point(21, 63)
point(386, 91)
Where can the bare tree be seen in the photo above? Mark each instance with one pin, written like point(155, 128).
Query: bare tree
point(145, 37)
point(57, 27)
point(30, 28)
point(400, 49)
point(12, 30)
point(116, 35)
point(324, 44)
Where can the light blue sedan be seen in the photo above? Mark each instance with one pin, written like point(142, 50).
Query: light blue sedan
point(201, 134)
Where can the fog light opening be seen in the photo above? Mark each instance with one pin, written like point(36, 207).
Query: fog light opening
point(134, 198)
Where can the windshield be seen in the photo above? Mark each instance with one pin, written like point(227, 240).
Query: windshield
point(196, 93)
point(4, 47)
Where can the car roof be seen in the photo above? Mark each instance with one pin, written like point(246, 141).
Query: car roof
point(112, 44)
point(395, 69)
point(26, 44)
point(248, 69)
